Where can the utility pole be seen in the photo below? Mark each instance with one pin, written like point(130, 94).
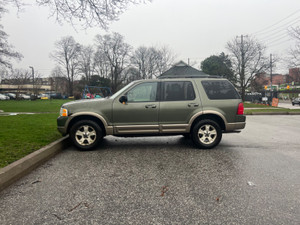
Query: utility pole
point(242, 74)
point(271, 76)
point(32, 71)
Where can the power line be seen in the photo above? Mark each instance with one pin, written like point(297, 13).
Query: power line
point(278, 33)
point(280, 42)
point(288, 24)
point(266, 28)
point(275, 37)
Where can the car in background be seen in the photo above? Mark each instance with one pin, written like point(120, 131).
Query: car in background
point(44, 96)
point(3, 97)
point(49, 95)
point(24, 97)
point(55, 95)
point(296, 101)
point(11, 95)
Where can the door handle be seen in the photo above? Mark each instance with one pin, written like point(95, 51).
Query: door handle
point(193, 105)
point(150, 106)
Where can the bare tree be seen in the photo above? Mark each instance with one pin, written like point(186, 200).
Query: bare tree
point(116, 53)
point(88, 13)
point(164, 58)
point(151, 62)
point(101, 64)
point(59, 83)
point(19, 78)
point(248, 59)
point(258, 83)
point(141, 60)
point(293, 59)
point(85, 62)
point(295, 33)
point(294, 53)
point(66, 54)
point(6, 50)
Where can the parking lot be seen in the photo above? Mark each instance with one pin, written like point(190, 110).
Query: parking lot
point(250, 178)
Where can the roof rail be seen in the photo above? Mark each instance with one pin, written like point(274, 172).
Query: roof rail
point(189, 76)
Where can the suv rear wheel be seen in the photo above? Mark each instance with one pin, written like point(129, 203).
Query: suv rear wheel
point(86, 134)
point(206, 134)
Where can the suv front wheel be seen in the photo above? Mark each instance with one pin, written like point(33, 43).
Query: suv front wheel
point(206, 134)
point(86, 134)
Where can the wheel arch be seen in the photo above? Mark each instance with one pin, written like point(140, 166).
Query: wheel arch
point(212, 116)
point(100, 121)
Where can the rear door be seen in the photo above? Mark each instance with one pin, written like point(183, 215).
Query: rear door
point(179, 101)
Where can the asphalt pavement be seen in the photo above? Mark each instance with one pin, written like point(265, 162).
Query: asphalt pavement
point(251, 178)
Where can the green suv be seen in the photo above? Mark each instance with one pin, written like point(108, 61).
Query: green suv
point(200, 108)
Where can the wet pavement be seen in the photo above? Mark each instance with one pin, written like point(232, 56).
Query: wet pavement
point(251, 178)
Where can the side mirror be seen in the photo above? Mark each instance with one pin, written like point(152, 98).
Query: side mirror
point(123, 99)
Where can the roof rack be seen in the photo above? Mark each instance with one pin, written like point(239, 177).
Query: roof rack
point(189, 76)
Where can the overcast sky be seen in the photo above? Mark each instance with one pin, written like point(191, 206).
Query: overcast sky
point(194, 29)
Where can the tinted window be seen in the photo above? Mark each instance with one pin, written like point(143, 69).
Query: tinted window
point(145, 92)
point(220, 89)
point(178, 91)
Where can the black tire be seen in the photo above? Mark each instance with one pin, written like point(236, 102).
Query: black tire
point(206, 134)
point(86, 134)
point(187, 136)
point(293, 103)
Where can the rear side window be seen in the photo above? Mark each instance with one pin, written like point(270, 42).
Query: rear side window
point(220, 89)
point(178, 91)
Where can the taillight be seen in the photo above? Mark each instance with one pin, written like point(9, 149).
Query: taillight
point(240, 110)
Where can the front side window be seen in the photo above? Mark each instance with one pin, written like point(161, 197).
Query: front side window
point(145, 92)
point(220, 89)
point(178, 91)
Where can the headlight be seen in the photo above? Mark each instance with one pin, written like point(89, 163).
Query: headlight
point(63, 112)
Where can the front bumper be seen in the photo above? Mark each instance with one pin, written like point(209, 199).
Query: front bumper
point(61, 125)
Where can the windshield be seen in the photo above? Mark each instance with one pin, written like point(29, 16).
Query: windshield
point(120, 91)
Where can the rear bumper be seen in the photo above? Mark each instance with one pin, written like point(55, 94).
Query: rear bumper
point(235, 126)
point(238, 125)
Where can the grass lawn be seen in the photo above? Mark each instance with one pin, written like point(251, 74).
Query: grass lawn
point(271, 109)
point(32, 106)
point(253, 105)
point(23, 134)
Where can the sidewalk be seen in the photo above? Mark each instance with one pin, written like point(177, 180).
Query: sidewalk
point(288, 105)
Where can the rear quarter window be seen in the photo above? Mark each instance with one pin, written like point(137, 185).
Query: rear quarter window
point(220, 89)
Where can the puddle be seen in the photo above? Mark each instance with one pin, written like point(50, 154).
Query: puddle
point(15, 114)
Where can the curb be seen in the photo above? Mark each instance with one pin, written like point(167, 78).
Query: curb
point(20, 168)
point(272, 113)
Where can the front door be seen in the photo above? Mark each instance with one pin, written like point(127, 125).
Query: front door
point(140, 113)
